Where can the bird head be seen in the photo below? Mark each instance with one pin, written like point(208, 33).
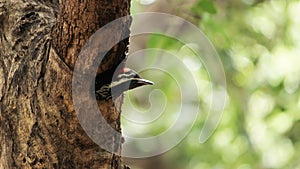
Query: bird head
point(126, 79)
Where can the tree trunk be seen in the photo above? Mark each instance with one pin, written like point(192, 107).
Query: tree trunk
point(39, 43)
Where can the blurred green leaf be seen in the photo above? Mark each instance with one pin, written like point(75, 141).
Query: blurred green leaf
point(258, 43)
point(204, 6)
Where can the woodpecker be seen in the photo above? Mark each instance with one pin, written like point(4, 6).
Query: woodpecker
point(108, 87)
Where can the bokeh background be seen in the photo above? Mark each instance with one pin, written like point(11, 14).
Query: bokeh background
point(259, 45)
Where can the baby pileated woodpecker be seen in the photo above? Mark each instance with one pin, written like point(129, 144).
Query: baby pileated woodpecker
point(108, 87)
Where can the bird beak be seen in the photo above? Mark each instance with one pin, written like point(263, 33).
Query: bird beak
point(137, 82)
point(145, 82)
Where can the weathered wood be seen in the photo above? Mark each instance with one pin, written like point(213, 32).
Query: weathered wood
point(39, 44)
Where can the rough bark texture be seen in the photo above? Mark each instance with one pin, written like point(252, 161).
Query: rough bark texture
point(39, 43)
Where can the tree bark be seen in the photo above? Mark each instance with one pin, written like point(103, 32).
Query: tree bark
point(39, 43)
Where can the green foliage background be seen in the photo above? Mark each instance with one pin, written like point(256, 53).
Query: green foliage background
point(259, 45)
